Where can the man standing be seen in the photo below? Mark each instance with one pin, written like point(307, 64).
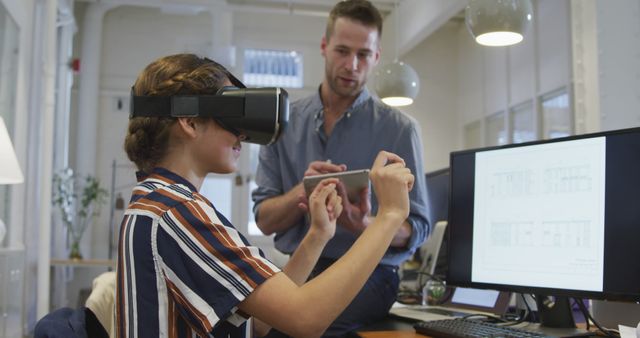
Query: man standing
point(342, 127)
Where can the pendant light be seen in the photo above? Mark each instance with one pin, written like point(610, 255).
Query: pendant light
point(397, 84)
point(498, 22)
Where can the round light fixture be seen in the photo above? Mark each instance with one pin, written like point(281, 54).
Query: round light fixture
point(397, 84)
point(498, 22)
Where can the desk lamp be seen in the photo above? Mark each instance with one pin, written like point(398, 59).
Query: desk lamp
point(10, 172)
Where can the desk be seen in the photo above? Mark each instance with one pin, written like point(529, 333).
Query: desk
point(390, 327)
point(68, 288)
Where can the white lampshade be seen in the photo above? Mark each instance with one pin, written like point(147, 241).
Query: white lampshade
point(10, 172)
point(498, 22)
point(397, 84)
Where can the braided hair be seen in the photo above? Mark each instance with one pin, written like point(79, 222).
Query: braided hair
point(147, 138)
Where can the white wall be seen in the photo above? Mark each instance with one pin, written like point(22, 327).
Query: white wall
point(435, 107)
point(619, 63)
point(284, 32)
point(493, 78)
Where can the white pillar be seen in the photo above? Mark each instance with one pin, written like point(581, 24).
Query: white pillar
point(618, 39)
point(48, 69)
point(89, 88)
point(585, 66)
point(222, 37)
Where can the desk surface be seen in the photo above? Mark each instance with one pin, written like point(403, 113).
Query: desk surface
point(390, 327)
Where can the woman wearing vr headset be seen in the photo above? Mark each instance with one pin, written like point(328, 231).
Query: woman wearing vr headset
point(184, 270)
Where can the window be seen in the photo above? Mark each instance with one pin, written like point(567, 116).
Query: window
point(496, 133)
point(272, 68)
point(522, 123)
point(556, 114)
point(473, 135)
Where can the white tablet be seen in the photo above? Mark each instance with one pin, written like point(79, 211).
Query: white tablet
point(353, 180)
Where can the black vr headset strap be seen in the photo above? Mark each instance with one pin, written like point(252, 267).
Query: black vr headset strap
point(216, 106)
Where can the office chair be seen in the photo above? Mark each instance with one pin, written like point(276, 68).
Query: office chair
point(70, 323)
point(94, 320)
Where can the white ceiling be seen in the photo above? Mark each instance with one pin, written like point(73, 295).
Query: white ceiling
point(294, 7)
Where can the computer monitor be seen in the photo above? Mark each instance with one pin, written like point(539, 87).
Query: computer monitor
point(557, 217)
point(437, 182)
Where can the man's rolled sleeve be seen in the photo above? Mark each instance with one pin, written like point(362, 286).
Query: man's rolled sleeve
point(268, 178)
point(411, 152)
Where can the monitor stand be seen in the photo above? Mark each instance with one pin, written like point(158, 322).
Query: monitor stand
point(555, 312)
point(556, 317)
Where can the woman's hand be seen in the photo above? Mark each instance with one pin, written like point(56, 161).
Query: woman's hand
point(391, 181)
point(325, 207)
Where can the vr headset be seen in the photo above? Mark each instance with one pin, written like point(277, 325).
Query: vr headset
point(260, 114)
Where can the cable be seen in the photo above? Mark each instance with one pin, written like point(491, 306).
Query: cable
point(522, 317)
point(494, 318)
point(530, 313)
point(586, 319)
point(587, 315)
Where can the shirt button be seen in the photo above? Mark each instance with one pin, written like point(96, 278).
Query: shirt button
point(348, 114)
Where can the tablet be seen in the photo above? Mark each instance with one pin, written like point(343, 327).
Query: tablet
point(353, 180)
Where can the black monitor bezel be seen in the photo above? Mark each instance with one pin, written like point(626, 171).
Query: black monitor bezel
point(602, 295)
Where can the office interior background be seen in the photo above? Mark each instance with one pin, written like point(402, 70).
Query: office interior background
point(67, 68)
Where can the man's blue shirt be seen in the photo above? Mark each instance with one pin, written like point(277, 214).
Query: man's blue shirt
point(365, 129)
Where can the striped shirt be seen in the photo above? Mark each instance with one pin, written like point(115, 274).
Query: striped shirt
point(182, 267)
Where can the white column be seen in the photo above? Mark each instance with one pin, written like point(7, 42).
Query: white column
point(89, 88)
point(585, 66)
point(222, 37)
point(48, 69)
point(618, 39)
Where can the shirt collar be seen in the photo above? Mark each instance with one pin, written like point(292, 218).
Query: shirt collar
point(166, 176)
point(318, 106)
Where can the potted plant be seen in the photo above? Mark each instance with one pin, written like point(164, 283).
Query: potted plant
point(79, 201)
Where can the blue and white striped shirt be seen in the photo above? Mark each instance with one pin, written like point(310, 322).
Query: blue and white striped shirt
point(182, 267)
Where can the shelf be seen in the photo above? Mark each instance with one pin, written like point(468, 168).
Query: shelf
point(83, 262)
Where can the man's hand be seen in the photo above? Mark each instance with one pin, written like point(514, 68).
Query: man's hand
point(318, 168)
point(323, 167)
point(354, 217)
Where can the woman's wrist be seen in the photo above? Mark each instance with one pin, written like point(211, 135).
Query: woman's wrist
point(391, 217)
point(319, 236)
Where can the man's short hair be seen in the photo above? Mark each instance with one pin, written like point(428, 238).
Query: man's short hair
point(361, 11)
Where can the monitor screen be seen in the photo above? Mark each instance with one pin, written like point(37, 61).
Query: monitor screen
point(554, 217)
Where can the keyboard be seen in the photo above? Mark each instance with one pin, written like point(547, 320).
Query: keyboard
point(467, 328)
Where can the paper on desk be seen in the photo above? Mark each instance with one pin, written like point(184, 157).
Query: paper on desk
point(628, 332)
point(398, 305)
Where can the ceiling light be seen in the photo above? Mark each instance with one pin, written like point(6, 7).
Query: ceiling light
point(397, 84)
point(498, 22)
